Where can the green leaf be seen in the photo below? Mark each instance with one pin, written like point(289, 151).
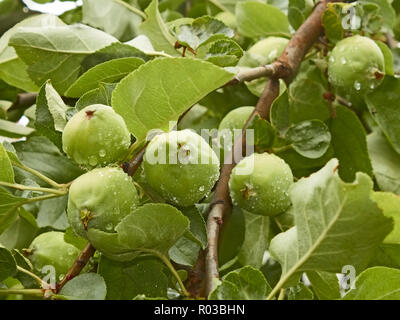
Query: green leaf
point(389, 203)
point(304, 100)
point(42, 155)
point(246, 283)
point(12, 68)
point(383, 107)
point(14, 130)
point(387, 255)
point(264, 133)
point(201, 31)
point(197, 225)
point(100, 95)
point(386, 11)
point(8, 266)
point(185, 251)
point(377, 283)
point(385, 162)
point(126, 280)
point(300, 292)
point(26, 280)
point(256, 20)
point(51, 115)
point(324, 284)
point(108, 72)
point(332, 22)
point(8, 208)
point(336, 224)
point(147, 104)
point(309, 138)
point(21, 232)
point(154, 227)
point(56, 53)
point(231, 236)
point(110, 245)
point(7, 172)
point(224, 53)
point(157, 31)
point(116, 50)
point(101, 14)
point(387, 53)
point(52, 213)
point(298, 11)
point(72, 238)
point(256, 240)
point(349, 144)
point(88, 286)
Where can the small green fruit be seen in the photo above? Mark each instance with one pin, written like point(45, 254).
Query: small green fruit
point(181, 167)
point(100, 199)
point(260, 184)
point(356, 65)
point(50, 249)
point(264, 52)
point(96, 136)
point(235, 119)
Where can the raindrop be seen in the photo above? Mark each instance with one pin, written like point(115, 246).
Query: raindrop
point(102, 153)
point(357, 86)
point(92, 160)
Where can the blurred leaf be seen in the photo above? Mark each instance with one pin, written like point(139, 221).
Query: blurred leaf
point(256, 20)
point(101, 14)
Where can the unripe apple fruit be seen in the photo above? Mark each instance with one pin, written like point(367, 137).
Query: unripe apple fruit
point(50, 249)
point(96, 136)
point(235, 119)
point(356, 65)
point(260, 184)
point(100, 199)
point(264, 52)
point(181, 167)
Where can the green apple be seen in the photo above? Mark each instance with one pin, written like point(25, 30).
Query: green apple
point(50, 249)
point(356, 65)
point(100, 199)
point(260, 184)
point(96, 136)
point(181, 167)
